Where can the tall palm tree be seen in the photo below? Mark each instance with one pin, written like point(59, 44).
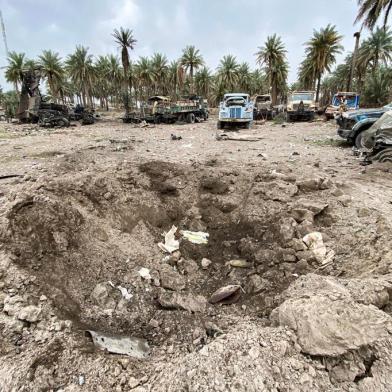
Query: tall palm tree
point(80, 68)
point(273, 57)
point(125, 39)
point(377, 48)
point(52, 69)
point(321, 52)
point(14, 69)
point(191, 60)
point(228, 72)
point(371, 10)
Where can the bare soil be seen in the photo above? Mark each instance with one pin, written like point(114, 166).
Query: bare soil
point(89, 205)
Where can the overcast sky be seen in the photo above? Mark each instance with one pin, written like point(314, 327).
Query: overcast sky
point(216, 27)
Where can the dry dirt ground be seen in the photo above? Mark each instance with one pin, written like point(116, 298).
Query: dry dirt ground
point(85, 208)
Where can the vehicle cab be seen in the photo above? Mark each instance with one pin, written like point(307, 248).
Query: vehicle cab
point(236, 108)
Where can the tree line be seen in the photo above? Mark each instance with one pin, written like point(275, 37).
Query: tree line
point(116, 81)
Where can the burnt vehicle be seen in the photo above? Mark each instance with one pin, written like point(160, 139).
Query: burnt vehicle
point(263, 109)
point(34, 108)
point(353, 124)
point(235, 109)
point(160, 109)
point(342, 102)
point(376, 142)
point(301, 106)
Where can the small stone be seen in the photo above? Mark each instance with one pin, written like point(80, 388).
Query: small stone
point(30, 313)
point(154, 323)
point(133, 382)
point(171, 279)
point(205, 263)
point(107, 195)
point(81, 380)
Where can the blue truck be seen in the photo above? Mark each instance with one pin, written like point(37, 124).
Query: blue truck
point(235, 109)
point(353, 124)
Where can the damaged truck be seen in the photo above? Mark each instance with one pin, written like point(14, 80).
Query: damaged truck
point(235, 109)
point(160, 109)
point(301, 106)
point(33, 108)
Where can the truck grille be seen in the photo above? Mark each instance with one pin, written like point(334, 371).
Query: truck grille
point(235, 112)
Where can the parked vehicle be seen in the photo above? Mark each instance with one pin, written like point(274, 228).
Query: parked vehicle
point(353, 124)
point(301, 105)
point(159, 109)
point(263, 108)
point(342, 102)
point(235, 109)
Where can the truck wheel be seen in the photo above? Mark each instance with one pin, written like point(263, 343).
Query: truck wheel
point(288, 118)
point(219, 125)
point(248, 125)
point(191, 118)
point(358, 140)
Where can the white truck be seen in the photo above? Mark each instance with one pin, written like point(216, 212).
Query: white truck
point(235, 109)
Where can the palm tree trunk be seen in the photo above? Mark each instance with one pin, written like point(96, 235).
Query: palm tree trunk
point(318, 87)
point(274, 90)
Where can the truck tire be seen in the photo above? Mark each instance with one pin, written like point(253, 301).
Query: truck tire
point(191, 118)
point(248, 125)
point(358, 140)
point(219, 125)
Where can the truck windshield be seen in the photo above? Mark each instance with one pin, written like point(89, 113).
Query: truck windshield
point(302, 97)
point(351, 100)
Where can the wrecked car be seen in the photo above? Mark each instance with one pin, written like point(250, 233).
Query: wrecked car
point(301, 105)
point(342, 102)
point(235, 109)
point(353, 124)
point(377, 140)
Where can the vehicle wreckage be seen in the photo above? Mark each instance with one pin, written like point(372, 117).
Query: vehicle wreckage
point(342, 102)
point(160, 109)
point(353, 124)
point(376, 142)
point(301, 105)
point(263, 108)
point(235, 109)
point(33, 108)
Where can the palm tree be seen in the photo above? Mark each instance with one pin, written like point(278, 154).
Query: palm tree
point(14, 69)
point(203, 81)
point(273, 56)
point(52, 69)
point(80, 68)
point(377, 48)
point(191, 60)
point(145, 76)
point(244, 78)
point(321, 52)
point(125, 39)
point(371, 10)
point(228, 73)
point(159, 66)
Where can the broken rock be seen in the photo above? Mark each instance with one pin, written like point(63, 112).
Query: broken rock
point(327, 327)
point(171, 279)
point(191, 303)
